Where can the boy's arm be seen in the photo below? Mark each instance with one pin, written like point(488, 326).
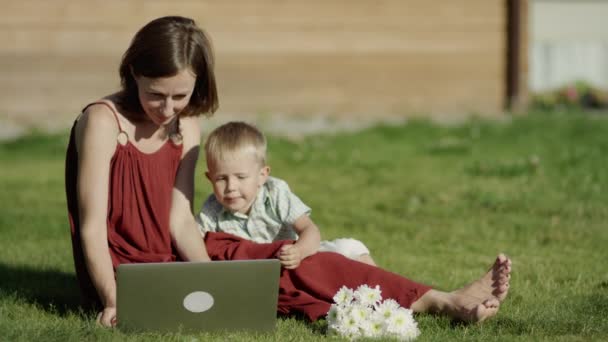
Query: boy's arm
point(306, 245)
point(309, 236)
point(293, 212)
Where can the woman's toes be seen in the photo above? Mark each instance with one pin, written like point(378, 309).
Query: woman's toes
point(501, 290)
point(501, 258)
point(502, 274)
point(502, 281)
point(480, 313)
point(491, 303)
point(486, 310)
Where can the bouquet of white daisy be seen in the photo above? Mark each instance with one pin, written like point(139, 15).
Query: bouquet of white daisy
point(362, 313)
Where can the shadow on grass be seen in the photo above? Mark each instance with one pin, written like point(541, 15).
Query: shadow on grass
point(54, 291)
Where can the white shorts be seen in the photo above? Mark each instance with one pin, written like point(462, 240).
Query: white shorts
point(350, 248)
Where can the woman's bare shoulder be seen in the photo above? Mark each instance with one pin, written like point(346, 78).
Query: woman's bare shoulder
point(97, 122)
point(99, 116)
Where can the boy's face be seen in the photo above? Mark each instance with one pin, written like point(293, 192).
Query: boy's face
point(236, 179)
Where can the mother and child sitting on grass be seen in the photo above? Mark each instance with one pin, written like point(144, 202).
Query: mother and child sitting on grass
point(130, 169)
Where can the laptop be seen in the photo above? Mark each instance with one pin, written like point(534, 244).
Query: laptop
point(194, 297)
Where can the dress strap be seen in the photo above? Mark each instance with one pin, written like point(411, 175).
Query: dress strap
point(111, 109)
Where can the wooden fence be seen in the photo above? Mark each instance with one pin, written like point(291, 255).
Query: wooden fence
point(335, 57)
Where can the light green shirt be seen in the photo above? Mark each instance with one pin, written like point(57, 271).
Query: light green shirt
point(270, 218)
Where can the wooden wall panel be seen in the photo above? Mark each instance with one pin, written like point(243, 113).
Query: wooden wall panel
point(337, 57)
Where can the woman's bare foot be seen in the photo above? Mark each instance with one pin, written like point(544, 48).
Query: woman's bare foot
point(470, 309)
point(475, 302)
point(494, 284)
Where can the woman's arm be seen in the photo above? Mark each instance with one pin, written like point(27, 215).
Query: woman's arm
point(96, 133)
point(184, 230)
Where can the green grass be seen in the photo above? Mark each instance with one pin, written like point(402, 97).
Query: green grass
point(434, 203)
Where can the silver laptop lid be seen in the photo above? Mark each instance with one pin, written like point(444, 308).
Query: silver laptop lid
point(198, 296)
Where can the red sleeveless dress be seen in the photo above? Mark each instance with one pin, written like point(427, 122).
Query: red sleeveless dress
point(139, 202)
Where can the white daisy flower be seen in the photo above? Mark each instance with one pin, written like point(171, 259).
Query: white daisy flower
point(349, 327)
point(386, 308)
point(344, 296)
point(332, 314)
point(368, 296)
point(360, 313)
point(401, 322)
point(373, 329)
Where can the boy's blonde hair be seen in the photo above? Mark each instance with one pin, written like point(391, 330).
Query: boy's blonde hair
point(234, 136)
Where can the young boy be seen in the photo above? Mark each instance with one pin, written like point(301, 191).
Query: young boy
point(247, 202)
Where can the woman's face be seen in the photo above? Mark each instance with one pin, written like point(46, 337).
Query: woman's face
point(164, 97)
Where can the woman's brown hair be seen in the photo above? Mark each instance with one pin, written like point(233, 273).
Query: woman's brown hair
point(162, 48)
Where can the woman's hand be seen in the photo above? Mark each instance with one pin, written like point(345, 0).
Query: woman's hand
point(107, 318)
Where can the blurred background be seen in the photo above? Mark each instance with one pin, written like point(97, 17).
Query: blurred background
point(338, 59)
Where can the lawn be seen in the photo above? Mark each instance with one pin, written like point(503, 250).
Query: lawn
point(433, 203)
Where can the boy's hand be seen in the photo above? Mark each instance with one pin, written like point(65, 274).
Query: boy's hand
point(290, 256)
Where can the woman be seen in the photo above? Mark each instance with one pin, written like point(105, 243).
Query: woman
point(131, 159)
point(130, 182)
